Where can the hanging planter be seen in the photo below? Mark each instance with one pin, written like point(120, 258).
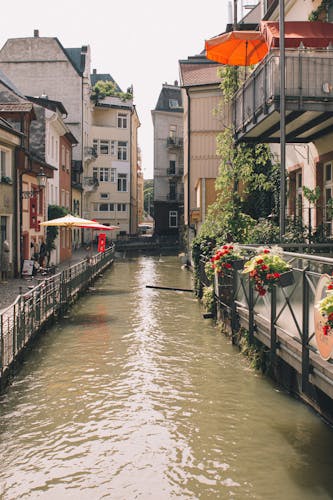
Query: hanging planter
point(267, 269)
point(325, 307)
point(226, 258)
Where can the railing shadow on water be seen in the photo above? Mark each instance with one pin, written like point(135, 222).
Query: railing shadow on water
point(31, 312)
point(283, 321)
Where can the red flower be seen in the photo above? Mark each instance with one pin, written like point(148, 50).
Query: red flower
point(266, 250)
point(260, 261)
point(228, 265)
point(277, 275)
point(326, 329)
point(264, 267)
point(330, 286)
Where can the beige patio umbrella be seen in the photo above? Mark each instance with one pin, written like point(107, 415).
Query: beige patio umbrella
point(69, 221)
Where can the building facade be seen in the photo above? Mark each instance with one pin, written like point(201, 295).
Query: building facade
point(168, 161)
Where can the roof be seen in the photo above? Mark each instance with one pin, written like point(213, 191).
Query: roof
point(104, 77)
point(114, 102)
point(170, 94)
point(74, 55)
point(198, 70)
point(22, 107)
point(49, 104)
point(8, 127)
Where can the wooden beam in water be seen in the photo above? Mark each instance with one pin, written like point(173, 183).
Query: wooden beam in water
point(170, 288)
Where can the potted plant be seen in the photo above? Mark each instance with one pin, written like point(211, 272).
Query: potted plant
point(269, 268)
point(227, 257)
point(325, 307)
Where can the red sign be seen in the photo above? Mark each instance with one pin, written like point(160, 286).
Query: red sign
point(101, 242)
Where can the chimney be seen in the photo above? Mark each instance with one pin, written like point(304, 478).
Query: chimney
point(36, 33)
point(94, 71)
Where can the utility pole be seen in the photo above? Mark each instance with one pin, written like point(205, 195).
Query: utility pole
point(282, 124)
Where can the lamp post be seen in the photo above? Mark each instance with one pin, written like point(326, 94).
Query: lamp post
point(282, 124)
point(41, 182)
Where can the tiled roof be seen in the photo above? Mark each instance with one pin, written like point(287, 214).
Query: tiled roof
point(16, 107)
point(199, 73)
point(112, 101)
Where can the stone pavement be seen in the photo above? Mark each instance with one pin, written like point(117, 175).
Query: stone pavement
point(11, 288)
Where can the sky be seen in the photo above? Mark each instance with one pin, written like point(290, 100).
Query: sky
point(138, 42)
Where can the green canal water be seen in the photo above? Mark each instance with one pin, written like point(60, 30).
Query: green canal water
point(135, 396)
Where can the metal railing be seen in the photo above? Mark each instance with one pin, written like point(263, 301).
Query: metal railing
point(283, 319)
point(30, 312)
point(306, 73)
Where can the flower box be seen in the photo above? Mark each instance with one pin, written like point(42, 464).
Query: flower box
point(238, 264)
point(286, 279)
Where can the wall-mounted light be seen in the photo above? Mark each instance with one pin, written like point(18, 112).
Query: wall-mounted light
point(41, 182)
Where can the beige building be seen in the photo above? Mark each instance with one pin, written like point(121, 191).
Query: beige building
point(112, 172)
point(201, 98)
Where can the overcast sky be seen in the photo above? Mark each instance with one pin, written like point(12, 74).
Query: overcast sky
point(138, 42)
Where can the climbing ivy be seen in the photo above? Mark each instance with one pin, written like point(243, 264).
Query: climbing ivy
point(320, 13)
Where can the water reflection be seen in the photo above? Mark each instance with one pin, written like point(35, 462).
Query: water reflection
point(136, 396)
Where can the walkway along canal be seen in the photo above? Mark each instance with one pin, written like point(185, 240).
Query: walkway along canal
point(133, 395)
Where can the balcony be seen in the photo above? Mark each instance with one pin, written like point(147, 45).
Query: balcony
point(175, 172)
point(174, 142)
point(90, 154)
point(90, 184)
point(170, 197)
point(308, 97)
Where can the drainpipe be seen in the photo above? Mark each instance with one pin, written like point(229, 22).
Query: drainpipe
point(130, 175)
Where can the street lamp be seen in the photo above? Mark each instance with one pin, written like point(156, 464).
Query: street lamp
point(41, 182)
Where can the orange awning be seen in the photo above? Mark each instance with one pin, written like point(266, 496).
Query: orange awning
point(313, 34)
point(237, 48)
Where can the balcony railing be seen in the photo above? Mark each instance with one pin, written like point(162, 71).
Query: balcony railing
point(90, 183)
point(309, 80)
point(175, 172)
point(90, 153)
point(174, 142)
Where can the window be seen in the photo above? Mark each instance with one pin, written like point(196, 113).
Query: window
point(113, 148)
point(122, 150)
point(4, 164)
point(173, 103)
point(121, 207)
point(104, 174)
point(172, 192)
point(172, 131)
point(122, 120)
point(104, 207)
point(122, 182)
point(172, 167)
point(104, 196)
point(104, 147)
point(173, 218)
point(299, 194)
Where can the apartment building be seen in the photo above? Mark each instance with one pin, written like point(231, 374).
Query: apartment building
point(168, 161)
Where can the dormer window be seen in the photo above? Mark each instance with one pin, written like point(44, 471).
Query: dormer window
point(173, 103)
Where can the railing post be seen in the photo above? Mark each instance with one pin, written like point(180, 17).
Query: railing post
point(234, 318)
point(305, 333)
point(251, 313)
point(272, 325)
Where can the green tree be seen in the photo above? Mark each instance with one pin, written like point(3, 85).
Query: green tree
point(54, 211)
point(103, 89)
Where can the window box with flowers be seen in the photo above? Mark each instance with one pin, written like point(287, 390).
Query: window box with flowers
point(325, 307)
point(227, 257)
point(267, 269)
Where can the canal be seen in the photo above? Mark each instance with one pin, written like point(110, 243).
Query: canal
point(135, 396)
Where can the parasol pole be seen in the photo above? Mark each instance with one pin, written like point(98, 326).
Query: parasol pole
point(282, 124)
